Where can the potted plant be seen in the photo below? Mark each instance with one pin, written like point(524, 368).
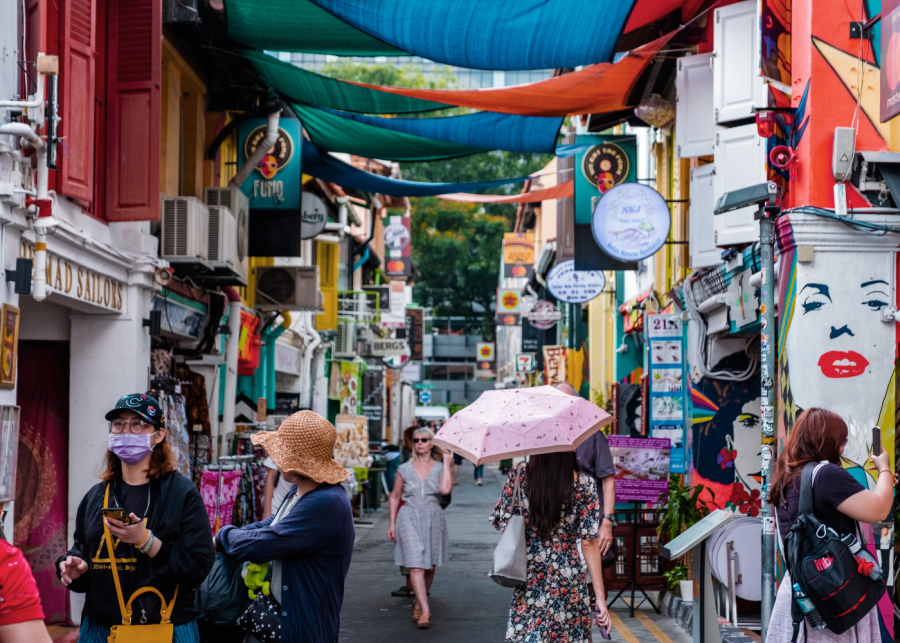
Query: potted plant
point(678, 577)
point(676, 513)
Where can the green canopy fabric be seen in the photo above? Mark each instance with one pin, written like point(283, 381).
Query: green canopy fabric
point(299, 25)
point(309, 88)
point(335, 133)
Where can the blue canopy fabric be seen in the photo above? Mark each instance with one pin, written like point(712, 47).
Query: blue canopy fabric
point(495, 34)
point(489, 130)
point(327, 168)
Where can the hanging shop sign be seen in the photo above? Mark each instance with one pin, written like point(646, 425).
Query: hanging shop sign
point(890, 59)
point(544, 314)
point(631, 222)
point(509, 307)
point(574, 286)
point(642, 468)
point(669, 392)
point(525, 363)
point(373, 397)
point(387, 347)
point(287, 403)
point(484, 351)
point(601, 163)
point(313, 215)
point(349, 388)
point(415, 328)
point(518, 255)
point(554, 365)
point(275, 183)
point(288, 359)
point(396, 305)
point(74, 281)
point(180, 317)
point(398, 247)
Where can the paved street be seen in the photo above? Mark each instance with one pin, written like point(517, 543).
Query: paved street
point(466, 605)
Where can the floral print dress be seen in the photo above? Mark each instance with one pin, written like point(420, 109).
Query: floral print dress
point(552, 606)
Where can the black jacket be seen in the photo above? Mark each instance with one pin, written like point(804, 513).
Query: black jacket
point(179, 519)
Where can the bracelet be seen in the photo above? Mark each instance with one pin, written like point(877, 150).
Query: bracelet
point(144, 540)
point(146, 548)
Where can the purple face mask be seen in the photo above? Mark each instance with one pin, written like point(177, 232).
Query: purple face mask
point(131, 448)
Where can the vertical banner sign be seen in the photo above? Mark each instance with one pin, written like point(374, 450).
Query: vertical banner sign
point(275, 183)
point(415, 318)
point(554, 365)
point(890, 59)
point(398, 245)
point(509, 307)
point(518, 255)
point(668, 403)
point(609, 161)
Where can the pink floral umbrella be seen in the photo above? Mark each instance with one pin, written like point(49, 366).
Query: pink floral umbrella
point(509, 423)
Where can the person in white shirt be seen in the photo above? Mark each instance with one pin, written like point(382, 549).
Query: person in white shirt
point(277, 489)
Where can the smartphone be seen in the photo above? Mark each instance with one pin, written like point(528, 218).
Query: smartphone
point(876, 440)
point(117, 514)
point(604, 633)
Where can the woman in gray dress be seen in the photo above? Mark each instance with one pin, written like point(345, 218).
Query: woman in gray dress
point(418, 526)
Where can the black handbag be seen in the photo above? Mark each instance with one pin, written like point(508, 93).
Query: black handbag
point(445, 500)
point(222, 597)
point(609, 559)
point(262, 619)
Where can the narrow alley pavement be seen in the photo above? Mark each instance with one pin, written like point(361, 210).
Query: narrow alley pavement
point(466, 605)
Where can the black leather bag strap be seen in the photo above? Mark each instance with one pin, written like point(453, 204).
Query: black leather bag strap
point(806, 489)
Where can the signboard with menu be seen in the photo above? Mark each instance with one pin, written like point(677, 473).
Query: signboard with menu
point(668, 401)
point(642, 468)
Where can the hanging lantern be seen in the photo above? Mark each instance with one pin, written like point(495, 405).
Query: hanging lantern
point(656, 111)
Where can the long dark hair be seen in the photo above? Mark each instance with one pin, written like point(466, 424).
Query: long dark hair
point(551, 483)
point(817, 435)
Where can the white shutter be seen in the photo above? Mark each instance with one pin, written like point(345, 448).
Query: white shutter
point(740, 163)
point(703, 244)
point(737, 85)
point(694, 124)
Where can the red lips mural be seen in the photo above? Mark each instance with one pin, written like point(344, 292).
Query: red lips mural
point(838, 364)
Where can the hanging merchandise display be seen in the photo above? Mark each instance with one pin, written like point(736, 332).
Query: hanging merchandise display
point(669, 402)
point(177, 432)
point(248, 344)
point(574, 286)
point(631, 222)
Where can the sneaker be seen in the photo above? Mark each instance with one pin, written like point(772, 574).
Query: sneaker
point(478, 482)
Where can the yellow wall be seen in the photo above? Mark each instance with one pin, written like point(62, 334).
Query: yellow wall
point(327, 259)
point(602, 332)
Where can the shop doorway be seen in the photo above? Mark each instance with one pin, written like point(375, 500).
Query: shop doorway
point(42, 479)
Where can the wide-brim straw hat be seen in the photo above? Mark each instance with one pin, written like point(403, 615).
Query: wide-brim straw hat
point(304, 444)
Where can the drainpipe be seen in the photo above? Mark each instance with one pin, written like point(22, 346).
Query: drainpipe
point(341, 226)
point(312, 349)
point(231, 363)
point(271, 334)
point(261, 150)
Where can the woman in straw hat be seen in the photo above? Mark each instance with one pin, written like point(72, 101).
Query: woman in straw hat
point(418, 526)
point(310, 538)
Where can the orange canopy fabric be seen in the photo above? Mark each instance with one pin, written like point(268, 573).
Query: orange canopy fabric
point(594, 90)
point(560, 191)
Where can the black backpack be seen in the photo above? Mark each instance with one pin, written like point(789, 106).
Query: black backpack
point(826, 569)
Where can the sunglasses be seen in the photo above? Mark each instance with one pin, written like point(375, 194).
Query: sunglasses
point(421, 439)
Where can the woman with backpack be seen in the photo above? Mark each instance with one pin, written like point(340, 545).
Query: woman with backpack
point(838, 502)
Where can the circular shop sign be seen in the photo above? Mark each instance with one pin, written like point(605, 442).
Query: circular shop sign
point(396, 236)
point(631, 222)
point(277, 158)
point(313, 215)
point(574, 286)
point(605, 165)
point(544, 315)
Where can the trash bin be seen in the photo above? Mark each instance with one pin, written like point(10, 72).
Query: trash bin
point(379, 466)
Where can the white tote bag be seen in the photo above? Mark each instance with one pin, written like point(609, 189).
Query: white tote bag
point(510, 565)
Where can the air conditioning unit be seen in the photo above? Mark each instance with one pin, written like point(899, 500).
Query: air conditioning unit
point(288, 288)
point(184, 223)
point(345, 340)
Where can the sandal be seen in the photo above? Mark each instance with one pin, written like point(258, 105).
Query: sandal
point(417, 613)
point(403, 592)
point(424, 622)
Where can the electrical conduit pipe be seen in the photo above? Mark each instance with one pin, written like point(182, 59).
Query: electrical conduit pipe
point(231, 364)
point(270, 335)
point(261, 150)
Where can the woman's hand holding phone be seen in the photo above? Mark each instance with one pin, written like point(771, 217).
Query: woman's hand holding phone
point(132, 534)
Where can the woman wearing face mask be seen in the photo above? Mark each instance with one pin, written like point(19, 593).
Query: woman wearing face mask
point(167, 545)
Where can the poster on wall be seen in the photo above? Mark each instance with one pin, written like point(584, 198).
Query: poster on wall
point(775, 27)
point(275, 182)
point(351, 449)
point(628, 409)
point(9, 346)
point(642, 468)
point(668, 393)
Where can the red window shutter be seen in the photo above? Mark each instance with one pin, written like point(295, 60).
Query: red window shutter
point(133, 110)
point(76, 166)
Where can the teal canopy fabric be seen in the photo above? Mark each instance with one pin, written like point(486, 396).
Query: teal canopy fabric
point(323, 166)
point(483, 129)
point(307, 87)
point(492, 34)
point(335, 133)
point(299, 25)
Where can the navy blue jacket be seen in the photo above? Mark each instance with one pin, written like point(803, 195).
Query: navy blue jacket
point(314, 541)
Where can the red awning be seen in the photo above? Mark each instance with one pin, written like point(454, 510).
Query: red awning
point(596, 89)
point(560, 191)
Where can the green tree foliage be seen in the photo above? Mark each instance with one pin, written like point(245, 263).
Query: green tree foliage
point(393, 75)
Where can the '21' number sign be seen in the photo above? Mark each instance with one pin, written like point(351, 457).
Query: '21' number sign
point(664, 325)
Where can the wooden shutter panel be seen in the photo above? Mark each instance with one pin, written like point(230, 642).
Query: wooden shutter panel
point(133, 99)
point(76, 166)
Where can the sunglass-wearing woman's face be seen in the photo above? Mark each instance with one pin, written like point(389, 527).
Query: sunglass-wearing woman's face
point(417, 440)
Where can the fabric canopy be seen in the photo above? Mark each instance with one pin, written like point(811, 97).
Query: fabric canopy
point(324, 166)
point(485, 129)
point(596, 89)
point(310, 88)
point(560, 191)
point(299, 25)
point(335, 133)
point(500, 34)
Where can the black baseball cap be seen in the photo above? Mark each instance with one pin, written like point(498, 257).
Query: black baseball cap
point(144, 405)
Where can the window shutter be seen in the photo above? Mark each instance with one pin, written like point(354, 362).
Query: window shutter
point(133, 99)
point(76, 166)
